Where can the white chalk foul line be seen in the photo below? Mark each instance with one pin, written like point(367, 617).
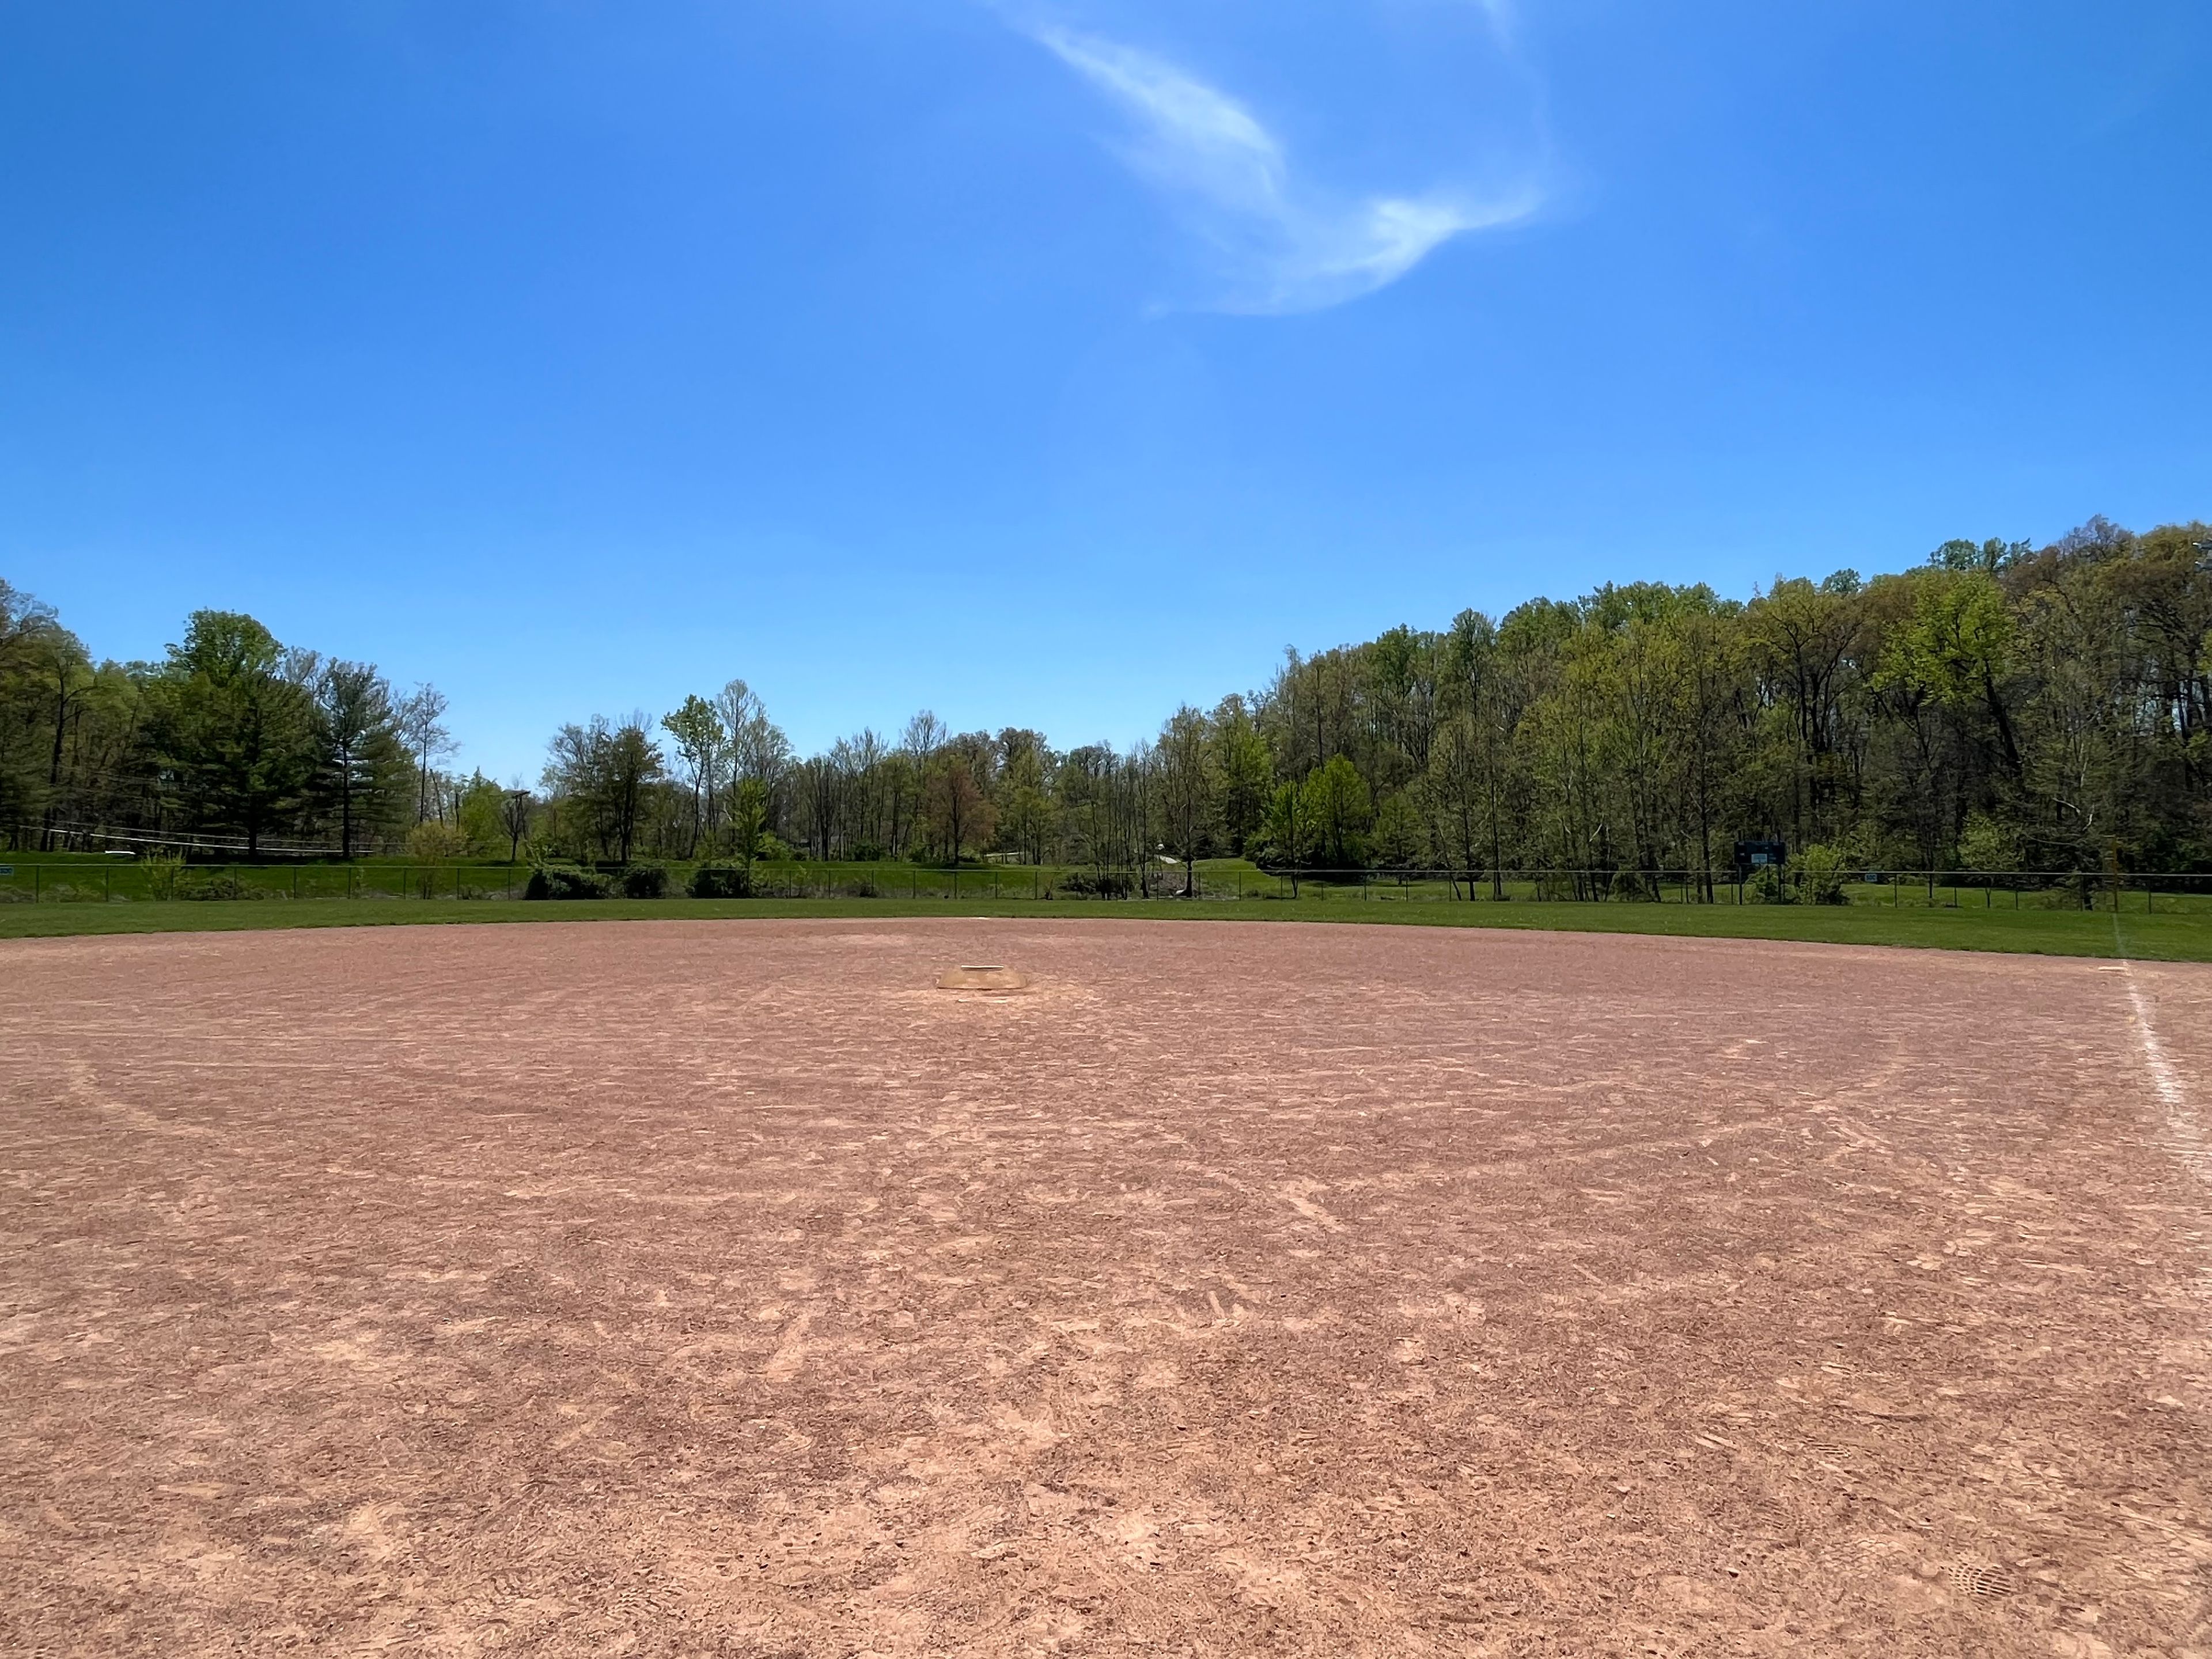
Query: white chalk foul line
point(2160, 1068)
point(2183, 1126)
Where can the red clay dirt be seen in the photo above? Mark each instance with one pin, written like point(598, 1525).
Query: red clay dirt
point(727, 1288)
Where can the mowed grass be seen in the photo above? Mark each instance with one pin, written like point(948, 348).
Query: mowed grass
point(2184, 937)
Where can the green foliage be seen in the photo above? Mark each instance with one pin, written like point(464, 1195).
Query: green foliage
point(599, 777)
point(699, 736)
point(749, 823)
point(212, 885)
point(1246, 770)
point(1818, 874)
point(1287, 832)
point(1095, 883)
point(957, 808)
point(645, 881)
point(232, 726)
point(1633, 887)
point(480, 814)
point(553, 882)
point(158, 872)
point(364, 776)
point(1988, 843)
point(1188, 784)
point(1998, 707)
point(432, 842)
point(1340, 807)
point(1401, 840)
point(721, 881)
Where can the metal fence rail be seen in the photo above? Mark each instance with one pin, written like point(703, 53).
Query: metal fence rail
point(46, 880)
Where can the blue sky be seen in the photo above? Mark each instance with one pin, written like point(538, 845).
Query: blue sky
point(1054, 364)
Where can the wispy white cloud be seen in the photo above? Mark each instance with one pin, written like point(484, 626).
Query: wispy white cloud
point(1281, 245)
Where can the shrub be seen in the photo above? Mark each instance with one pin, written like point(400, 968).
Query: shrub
point(551, 884)
point(1819, 871)
point(645, 881)
point(213, 885)
point(1767, 887)
point(721, 881)
point(162, 870)
point(1096, 883)
point(432, 842)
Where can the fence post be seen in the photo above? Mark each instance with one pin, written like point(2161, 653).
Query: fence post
point(35, 870)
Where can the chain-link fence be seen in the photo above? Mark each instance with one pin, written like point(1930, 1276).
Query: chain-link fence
point(47, 880)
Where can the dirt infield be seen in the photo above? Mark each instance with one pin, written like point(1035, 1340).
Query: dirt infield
point(705, 1288)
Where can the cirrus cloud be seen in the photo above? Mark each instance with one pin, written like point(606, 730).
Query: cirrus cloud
point(1279, 243)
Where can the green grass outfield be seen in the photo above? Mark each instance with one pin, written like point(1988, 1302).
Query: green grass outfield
point(2186, 937)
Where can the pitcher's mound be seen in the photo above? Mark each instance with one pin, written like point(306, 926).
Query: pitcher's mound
point(979, 979)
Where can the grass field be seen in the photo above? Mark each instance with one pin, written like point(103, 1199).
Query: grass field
point(2167, 935)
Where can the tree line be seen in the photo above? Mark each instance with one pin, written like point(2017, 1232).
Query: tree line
point(231, 742)
point(2000, 707)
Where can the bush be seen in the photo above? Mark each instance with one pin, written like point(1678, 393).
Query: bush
point(1096, 883)
point(1819, 871)
point(215, 884)
point(549, 884)
point(433, 842)
point(645, 881)
point(721, 881)
point(1767, 887)
point(162, 870)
